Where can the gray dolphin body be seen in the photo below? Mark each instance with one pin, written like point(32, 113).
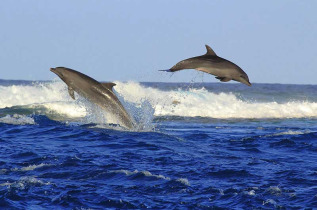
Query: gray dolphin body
point(96, 92)
point(210, 63)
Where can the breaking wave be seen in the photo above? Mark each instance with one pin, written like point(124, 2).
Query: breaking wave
point(144, 102)
point(17, 120)
point(203, 103)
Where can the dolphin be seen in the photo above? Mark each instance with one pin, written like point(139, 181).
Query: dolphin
point(96, 92)
point(210, 63)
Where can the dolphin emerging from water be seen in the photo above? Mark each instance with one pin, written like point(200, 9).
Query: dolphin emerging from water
point(96, 92)
point(210, 63)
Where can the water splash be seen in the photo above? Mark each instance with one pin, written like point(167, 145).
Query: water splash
point(145, 103)
point(17, 119)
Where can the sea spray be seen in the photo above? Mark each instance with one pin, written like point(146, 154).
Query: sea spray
point(36, 93)
point(144, 103)
point(200, 102)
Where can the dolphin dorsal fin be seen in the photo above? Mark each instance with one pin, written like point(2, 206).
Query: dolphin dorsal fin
point(210, 51)
point(108, 85)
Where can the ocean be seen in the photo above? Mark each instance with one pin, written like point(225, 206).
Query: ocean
point(196, 146)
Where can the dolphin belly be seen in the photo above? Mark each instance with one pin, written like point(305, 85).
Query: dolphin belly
point(213, 71)
point(109, 102)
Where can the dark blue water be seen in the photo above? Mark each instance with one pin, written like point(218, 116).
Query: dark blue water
point(51, 160)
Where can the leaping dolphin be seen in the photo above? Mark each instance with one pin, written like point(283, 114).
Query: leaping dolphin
point(210, 63)
point(98, 93)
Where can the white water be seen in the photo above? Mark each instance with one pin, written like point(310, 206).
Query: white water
point(24, 183)
point(149, 174)
point(200, 102)
point(52, 96)
point(17, 120)
point(137, 98)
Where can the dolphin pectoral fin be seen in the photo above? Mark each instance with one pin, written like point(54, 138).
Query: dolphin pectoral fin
point(223, 79)
point(71, 92)
point(108, 85)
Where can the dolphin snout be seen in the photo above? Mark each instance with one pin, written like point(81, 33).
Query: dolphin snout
point(244, 81)
point(52, 70)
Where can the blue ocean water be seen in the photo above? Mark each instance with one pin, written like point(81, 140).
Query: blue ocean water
point(197, 146)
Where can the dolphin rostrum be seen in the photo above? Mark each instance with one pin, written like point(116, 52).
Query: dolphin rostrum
point(210, 63)
point(96, 92)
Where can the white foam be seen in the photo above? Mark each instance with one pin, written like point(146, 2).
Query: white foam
point(54, 99)
point(52, 96)
point(251, 192)
point(184, 181)
point(17, 120)
point(290, 132)
point(145, 173)
point(30, 167)
point(70, 109)
point(24, 182)
point(32, 94)
point(202, 103)
point(145, 102)
point(274, 190)
point(269, 201)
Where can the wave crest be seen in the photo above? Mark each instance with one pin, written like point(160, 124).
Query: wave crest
point(192, 102)
point(203, 103)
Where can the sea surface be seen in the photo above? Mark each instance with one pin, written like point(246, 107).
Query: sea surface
point(195, 146)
